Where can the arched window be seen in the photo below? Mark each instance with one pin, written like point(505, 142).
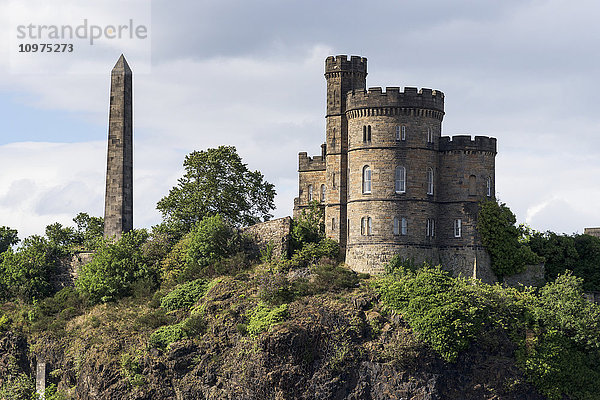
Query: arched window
point(366, 183)
point(369, 226)
point(363, 226)
point(333, 224)
point(323, 193)
point(488, 184)
point(429, 180)
point(400, 179)
point(369, 133)
point(403, 133)
point(396, 226)
point(472, 185)
point(310, 193)
point(429, 135)
point(404, 227)
point(364, 133)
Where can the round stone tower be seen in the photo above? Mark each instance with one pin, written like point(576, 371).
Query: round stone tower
point(393, 142)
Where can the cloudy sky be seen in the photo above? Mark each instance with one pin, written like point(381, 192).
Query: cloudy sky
point(250, 74)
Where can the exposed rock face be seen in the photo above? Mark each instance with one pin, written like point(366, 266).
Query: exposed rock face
point(331, 347)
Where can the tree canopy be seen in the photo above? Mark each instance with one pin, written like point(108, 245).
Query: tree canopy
point(8, 238)
point(216, 181)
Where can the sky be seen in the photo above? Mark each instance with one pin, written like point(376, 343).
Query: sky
point(250, 74)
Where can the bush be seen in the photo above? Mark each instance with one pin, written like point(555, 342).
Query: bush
point(309, 227)
point(274, 287)
point(165, 335)
point(185, 295)
point(502, 239)
point(115, 268)
point(311, 253)
point(332, 277)
point(211, 241)
point(173, 265)
point(262, 317)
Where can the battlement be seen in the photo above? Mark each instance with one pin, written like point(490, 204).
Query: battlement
point(316, 163)
point(411, 97)
point(464, 142)
point(341, 63)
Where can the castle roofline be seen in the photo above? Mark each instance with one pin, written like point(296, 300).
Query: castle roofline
point(410, 97)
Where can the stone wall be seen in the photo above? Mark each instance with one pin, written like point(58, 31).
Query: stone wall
point(274, 233)
point(68, 269)
point(534, 275)
point(592, 232)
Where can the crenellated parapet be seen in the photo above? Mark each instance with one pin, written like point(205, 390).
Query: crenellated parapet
point(464, 142)
point(341, 64)
point(306, 163)
point(392, 101)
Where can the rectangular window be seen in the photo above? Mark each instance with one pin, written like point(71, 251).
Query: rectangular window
point(398, 133)
point(457, 228)
point(369, 226)
point(404, 226)
point(363, 226)
point(396, 226)
point(403, 132)
point(310, 193)
point(333, 224)
point(429, 135)
point(348, 229)
point(430, 229)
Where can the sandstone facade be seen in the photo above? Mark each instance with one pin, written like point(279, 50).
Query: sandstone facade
point(393, 184)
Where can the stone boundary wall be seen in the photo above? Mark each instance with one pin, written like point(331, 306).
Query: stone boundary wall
point(69, 268)
point(532, 276)
point(276, 233)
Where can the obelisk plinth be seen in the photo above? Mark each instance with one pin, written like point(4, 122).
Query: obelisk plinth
point(118, 202)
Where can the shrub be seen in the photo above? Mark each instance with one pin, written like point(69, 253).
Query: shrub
point(115, 268)
point(331, 277)
point(211, 240)
point(309, 227)
point(311, 253)
point(262, 317)
point(165, 335)
point(274, 287)
point(176, 261)
point(185, 295)
point(501, 238)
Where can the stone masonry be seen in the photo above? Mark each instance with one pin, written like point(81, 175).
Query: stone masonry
point(392, 183)
point(118, 206)
point(592, 232)
point(275, 233)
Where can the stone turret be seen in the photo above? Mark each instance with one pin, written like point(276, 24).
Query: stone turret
point(118, 204)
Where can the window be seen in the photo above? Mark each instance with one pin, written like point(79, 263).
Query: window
point(430, 230)
point(367, 133)
point(400, 180)
point(430, 180)
point(363, 226)
point(398, 135)
point(457, 228)
point(369, 226)
point(488, 184)
point(333, 179)
point(366, 184)
point(322, 193)
point(348, 228)
point(310, 193)
point(333, 224)
point(429, 135)
point(404, 227)
point(472, 185)
point(396, 226)
point(403, 134)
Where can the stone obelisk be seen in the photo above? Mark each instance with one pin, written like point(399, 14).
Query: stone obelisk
point(118, 203)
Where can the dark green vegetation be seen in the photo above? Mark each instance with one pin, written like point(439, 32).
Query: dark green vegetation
point(511, 247)
point(194, 312)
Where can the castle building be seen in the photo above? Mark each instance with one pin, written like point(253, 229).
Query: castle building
point(390, 183)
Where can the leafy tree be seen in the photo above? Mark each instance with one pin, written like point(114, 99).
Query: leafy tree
point(8, 238)
point(211, 240)
point(61, 236)
point(27, 272)
point(217, 182)
point(115, 268)
point(90, 230)
point(502, 239)
point(309, 227)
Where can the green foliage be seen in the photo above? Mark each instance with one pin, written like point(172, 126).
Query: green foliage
point(115, 268)
point(578, 253)
point(17, 387)
point(211, 240)
point(501, 238)
point(309, 227)
point(165, 335)
point(8, 237)
point(27, 272)
point(89, 231)
point(52, 313)
point(438, 307)
point(52, 393)
point(131, 367)
point(311, 253)
point(173, 265)
point(185, 295)
point(216, 181)
point(60, 236)
point(262, 317)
